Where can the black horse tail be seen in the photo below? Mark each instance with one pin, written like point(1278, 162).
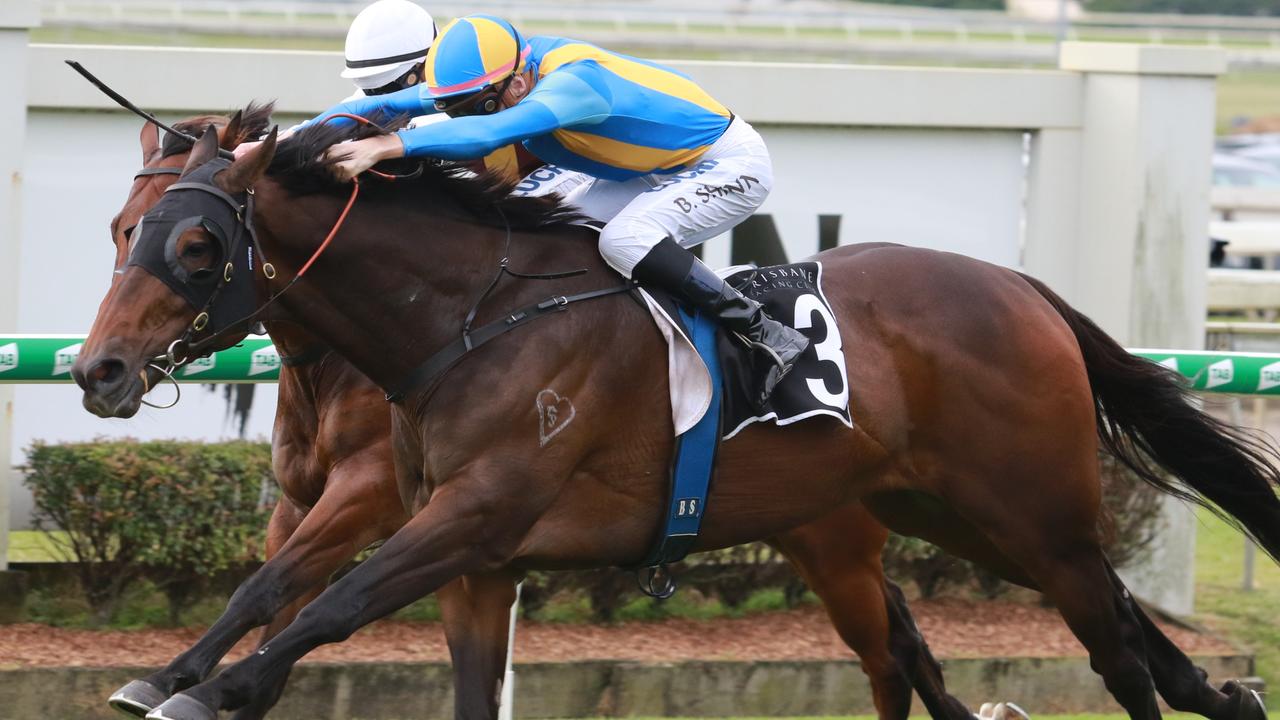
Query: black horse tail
point(1148, 420)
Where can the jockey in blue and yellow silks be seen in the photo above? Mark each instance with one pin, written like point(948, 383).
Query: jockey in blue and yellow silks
point(645, 148)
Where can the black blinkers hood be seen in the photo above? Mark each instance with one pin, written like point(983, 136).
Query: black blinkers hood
point(194, 201)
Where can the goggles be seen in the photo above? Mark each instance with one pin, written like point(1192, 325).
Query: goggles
point(486, 101)
point(409, 79)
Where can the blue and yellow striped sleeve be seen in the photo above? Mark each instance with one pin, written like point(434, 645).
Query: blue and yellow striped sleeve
point(380, 108)
point(557, 101)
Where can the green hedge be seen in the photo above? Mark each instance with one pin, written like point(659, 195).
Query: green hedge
point(176, 512)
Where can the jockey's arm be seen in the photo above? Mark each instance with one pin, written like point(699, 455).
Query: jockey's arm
point(381, 108)
point(558, 100)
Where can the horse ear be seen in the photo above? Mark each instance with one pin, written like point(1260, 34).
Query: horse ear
point(205, 150)
point(149, 138)
point(231, 133)
point(249, 168)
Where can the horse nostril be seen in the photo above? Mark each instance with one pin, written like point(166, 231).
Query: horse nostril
point(105, 373)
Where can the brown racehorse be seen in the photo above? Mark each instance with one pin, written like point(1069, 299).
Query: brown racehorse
point(333, 462)
point(979, 399)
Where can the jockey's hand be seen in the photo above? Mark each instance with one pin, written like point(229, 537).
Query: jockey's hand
point(352, 158)
point(243, 148)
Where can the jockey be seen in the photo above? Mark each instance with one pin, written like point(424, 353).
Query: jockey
point(666, 164)
point(386, 47)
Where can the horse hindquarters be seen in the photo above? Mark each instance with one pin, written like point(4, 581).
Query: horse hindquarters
point(977, 389)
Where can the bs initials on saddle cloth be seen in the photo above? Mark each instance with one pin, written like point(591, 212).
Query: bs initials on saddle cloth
point(664, 163)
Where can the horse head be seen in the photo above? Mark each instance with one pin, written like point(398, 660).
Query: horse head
point(162, 285)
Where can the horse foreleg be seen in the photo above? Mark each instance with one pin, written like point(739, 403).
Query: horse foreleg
point(459, 532)
point(141, 696)
point(476, 610)
point(347, 518)
point(258, 709)
point(838, 557)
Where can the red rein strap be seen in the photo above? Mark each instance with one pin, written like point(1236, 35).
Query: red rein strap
point(355, 192)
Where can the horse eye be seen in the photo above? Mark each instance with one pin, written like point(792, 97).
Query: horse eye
point(196, 250)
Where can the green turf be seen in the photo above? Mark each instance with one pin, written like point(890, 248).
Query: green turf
point(30, 546)
point(1246, 94)
point(1077, 716)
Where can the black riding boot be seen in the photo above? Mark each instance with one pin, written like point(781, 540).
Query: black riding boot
point(676, 270)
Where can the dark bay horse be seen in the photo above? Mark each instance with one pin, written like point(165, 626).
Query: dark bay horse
point(979, 399)
point(332, 459)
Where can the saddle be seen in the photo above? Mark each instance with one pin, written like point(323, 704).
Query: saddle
point(712, 380)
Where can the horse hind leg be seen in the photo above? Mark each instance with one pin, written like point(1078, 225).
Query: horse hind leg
point(1183, 685)
point(1070, 576)
point(913, 652)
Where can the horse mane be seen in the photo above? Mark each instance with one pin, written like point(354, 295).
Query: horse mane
point(254, 121)
point(301, 168)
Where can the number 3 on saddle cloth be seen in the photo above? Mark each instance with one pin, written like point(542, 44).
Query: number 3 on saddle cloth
point(713, 377)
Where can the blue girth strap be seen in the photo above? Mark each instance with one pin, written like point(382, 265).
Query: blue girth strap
point(695, 456)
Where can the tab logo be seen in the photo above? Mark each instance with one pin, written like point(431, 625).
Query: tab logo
point(1220, 373)
point(199, 365)
point(264, 360)
point(1268, 376)
point(8, 356)
point(66, 357)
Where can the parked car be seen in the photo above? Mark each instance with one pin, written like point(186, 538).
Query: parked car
point(1233, 170)
point(1266, 153)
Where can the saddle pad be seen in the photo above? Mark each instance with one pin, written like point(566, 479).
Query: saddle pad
point(817, 385)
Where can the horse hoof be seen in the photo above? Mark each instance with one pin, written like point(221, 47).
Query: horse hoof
point(182, 707)
point(137, 698)
point(1001, 711)
point(1246, 702)
point(1010, 711)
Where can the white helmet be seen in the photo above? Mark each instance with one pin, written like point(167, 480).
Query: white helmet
point(385, 41)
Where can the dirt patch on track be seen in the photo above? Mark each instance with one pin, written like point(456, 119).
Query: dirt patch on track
point(953, 628)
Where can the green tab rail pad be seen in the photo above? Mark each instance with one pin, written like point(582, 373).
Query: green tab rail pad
point(1222, 372)
point(48, 359)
